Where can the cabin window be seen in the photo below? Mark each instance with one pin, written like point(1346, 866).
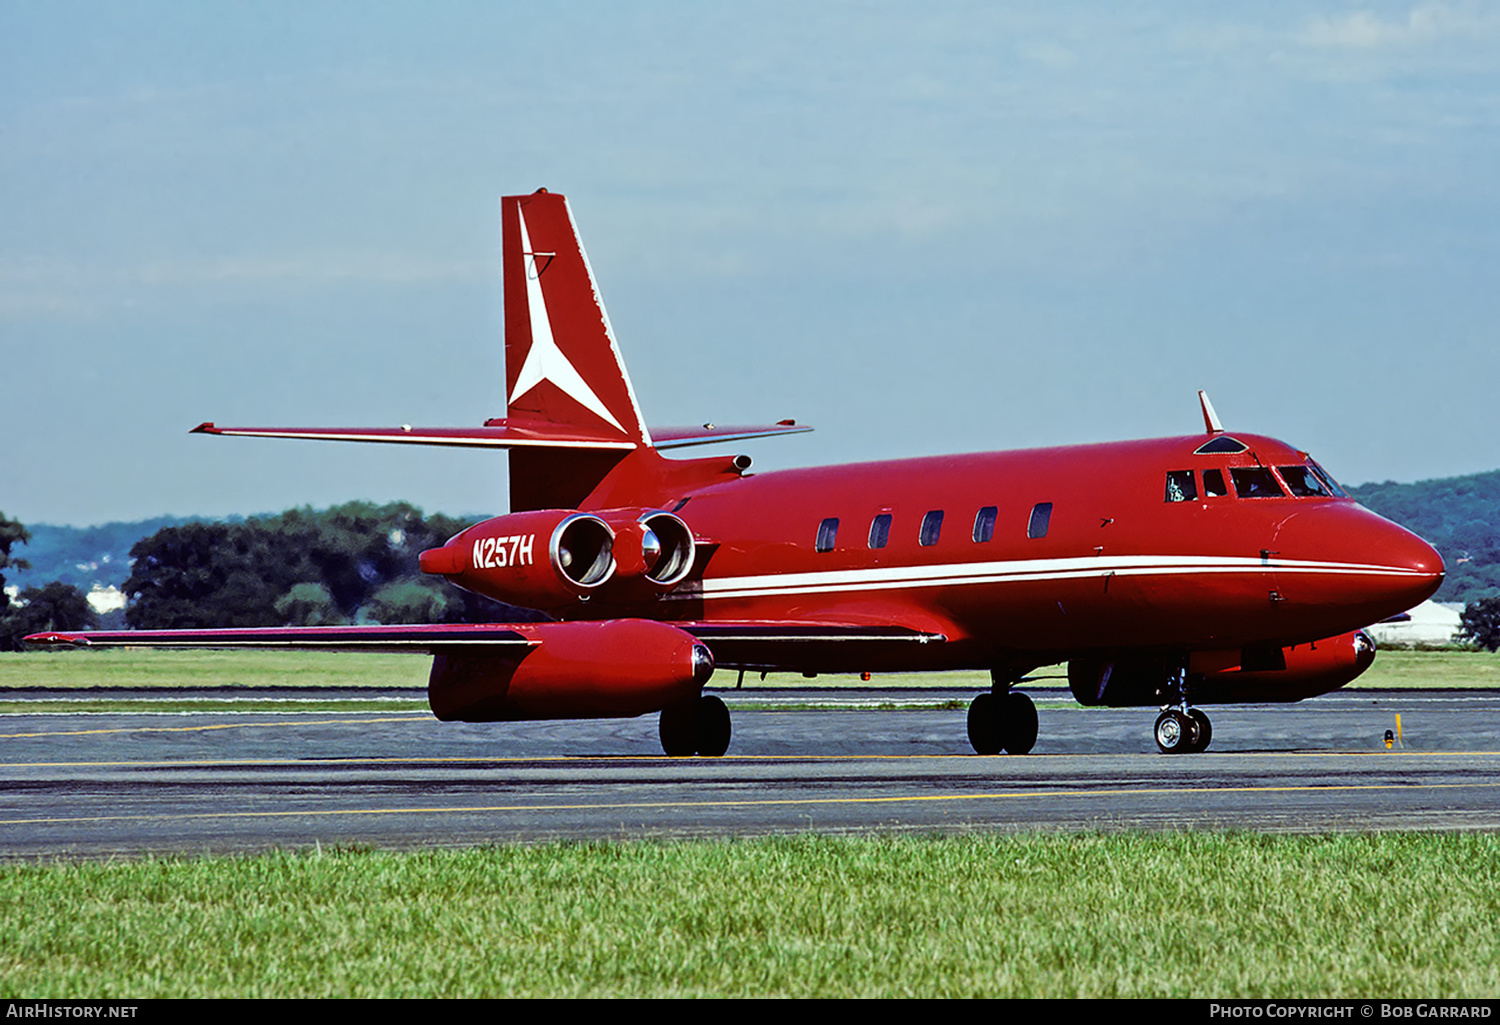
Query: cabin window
point(932, 526)
point(1255, 482)
point(880, 530)
point(1041, 517)
point(1180, 486)
point(828, 532)
point(1302, 482)
point(984, 523)
point(1213, 484)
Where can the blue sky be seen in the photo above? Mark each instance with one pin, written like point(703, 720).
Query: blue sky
point(922, 228)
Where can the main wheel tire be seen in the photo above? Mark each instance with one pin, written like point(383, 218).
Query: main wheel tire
point(699, 726)
point(713, 726)
point(985, 733)
point(1174, 732)
point(1205, 730)
point(1020, 723)
point(678, 728)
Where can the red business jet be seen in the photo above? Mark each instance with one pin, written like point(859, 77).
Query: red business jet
point(1174, 572)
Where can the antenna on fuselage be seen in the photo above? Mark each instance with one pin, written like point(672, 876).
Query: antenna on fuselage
point(1210, 418)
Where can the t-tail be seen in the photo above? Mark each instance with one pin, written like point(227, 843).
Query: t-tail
point(571, 413)
point(563, 371)
point(562, 364)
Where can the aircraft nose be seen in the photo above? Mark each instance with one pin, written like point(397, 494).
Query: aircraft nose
point(1398, 549)
point(1372, 563)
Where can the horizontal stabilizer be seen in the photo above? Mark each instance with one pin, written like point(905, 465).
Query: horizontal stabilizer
point(707, 434)
point(506, 433)
point(495, 434)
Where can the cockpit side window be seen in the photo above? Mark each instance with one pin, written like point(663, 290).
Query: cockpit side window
point(1180, 486)
point(1302, 482)
point(1255, 482)
point(1213, 484)
point(1327, 478)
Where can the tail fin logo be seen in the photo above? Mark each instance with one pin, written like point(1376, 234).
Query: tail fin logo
point(545, 361)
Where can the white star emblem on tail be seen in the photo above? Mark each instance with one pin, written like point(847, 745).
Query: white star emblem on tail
point(544, 360)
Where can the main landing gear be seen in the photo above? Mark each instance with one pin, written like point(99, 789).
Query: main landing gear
point(1002, 720)
point(698, 726)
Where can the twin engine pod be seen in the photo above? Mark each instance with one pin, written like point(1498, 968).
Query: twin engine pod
point(551, 558)
point(583, 670)
point(1226, 677)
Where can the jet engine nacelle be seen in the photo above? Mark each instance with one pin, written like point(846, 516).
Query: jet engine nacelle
point(1229, 677)
point(582, 670)
point(551, 558)
point(542, 560)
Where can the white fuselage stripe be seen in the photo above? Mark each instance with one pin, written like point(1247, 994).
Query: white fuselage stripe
point(951, 574)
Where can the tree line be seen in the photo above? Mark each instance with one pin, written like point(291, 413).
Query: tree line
point(1459, 516)
point(54, 606)
point(354, 563)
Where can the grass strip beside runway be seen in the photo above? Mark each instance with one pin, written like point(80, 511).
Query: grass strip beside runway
point(1100, 915)
point(140, 667)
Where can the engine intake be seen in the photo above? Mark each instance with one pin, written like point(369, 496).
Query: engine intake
point(582, 549)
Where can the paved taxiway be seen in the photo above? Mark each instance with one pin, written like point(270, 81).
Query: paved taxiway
point(129, 782)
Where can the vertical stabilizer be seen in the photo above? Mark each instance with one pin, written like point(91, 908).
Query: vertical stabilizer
point(562, 365)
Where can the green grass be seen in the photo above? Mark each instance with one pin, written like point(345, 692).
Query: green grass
point(1135, 915)
point(135, 667)
point(233, 705)
point(1431, 669)
point(143, 667)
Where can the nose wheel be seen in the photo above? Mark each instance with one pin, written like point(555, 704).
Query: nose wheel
point(1183, 731)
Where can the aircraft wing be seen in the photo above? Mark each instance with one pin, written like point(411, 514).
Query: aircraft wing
point(428, 637)
point(746, 645)
point(772, 645)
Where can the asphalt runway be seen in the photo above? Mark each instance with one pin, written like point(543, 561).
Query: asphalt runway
point(126, 783)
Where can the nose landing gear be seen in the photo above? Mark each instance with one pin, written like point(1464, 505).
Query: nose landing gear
point(1183, 730)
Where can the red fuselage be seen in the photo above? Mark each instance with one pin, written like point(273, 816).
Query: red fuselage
point(1137, 552)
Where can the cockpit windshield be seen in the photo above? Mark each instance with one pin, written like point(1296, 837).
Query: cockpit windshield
point(1303, 482)
point(1255, 482)
point(1327, 478)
